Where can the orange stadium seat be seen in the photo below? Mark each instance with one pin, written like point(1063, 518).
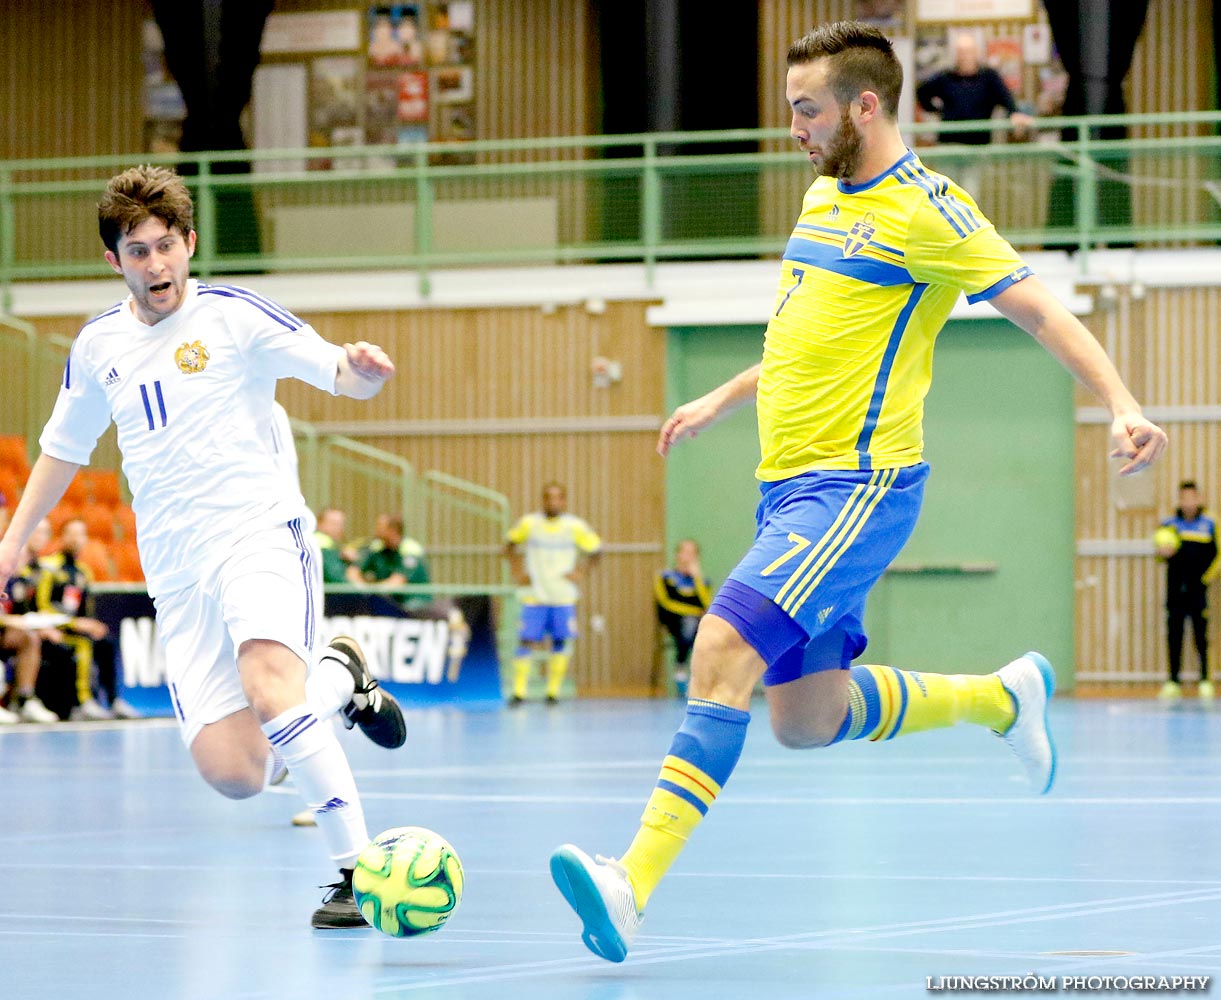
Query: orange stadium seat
point(99, 521)
point(13, 456)
point(62, 513)
point(127, 562)
point(76, 494)
point(96, 555)
point(125, 523)
point(10, 487)
point(102, 486)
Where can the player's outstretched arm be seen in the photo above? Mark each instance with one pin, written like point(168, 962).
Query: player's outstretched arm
point(691, 418)
point(363, 370)
point(49, 479)
point(1031, 306)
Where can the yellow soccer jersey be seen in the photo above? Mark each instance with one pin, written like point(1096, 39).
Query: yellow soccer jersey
point(870, 275)
point(551, 545)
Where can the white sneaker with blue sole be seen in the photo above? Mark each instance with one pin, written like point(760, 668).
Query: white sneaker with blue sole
point(599, 892)
point(1031, 682)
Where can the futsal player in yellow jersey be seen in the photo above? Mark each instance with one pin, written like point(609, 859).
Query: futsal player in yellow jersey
point(548, 553)
point(881, 251)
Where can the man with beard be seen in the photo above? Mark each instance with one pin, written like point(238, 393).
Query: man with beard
point(880, 253)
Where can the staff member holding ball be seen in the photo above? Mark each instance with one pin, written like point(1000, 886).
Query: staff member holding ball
point(1188, 543)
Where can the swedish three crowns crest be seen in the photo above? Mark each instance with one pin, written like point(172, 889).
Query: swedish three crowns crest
point(191, 358)
point(859, 235)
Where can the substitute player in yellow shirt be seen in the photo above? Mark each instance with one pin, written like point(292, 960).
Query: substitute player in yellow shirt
point(880, 253)
point(548, 553)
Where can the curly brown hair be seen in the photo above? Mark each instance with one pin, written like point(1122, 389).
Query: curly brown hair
point(141, 192)
point(861, 58)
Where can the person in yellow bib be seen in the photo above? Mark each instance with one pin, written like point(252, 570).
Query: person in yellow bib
point(880, 254)
point(548, 552)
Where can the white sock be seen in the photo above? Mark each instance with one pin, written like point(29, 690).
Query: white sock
point(321, 774)
point(329, 687)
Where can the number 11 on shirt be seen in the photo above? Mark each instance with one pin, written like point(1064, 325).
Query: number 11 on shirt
point(148, 407)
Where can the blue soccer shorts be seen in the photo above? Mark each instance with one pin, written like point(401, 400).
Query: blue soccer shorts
point(822, 540)
point(538, 621)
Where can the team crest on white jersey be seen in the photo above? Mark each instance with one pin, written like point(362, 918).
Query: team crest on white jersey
point(859, 235)
point(191, 358)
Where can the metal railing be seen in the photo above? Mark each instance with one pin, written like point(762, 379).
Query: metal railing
point(460, 524)
point(587, 199)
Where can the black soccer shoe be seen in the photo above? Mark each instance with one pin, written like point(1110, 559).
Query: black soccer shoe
point(338, 907)
point(371, 708)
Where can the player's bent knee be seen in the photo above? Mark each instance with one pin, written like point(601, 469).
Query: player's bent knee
point(724, 667)
point(232, 779)
point(796, 735)
point(718, 642)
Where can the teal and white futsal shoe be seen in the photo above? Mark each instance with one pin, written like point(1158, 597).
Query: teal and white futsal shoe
point(1030, 681)
point(600, 893)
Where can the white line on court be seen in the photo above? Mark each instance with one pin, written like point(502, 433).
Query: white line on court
point(730, 800)
point(86, 865)
point(818, 940)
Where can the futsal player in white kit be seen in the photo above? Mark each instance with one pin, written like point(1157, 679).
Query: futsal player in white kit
point(187, 371)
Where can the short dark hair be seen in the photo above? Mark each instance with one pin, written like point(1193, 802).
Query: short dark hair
point(392, 521)
point(1187, 484)
point(138, 194)
point(861, 58)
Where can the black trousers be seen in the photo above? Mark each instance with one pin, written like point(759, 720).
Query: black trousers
point(1177, 614)
point(682, 629)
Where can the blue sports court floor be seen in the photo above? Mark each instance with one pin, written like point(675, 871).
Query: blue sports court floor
point(852, 872)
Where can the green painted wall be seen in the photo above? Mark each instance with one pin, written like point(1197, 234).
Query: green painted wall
point(999, 435)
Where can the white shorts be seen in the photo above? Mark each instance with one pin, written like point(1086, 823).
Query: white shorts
point(269, 587)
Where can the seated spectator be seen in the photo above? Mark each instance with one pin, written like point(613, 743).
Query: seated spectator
point(682, 595)
point(30, 646)
point(64, 586)
point(390, 558)
point(27, 647)
point(337, 557)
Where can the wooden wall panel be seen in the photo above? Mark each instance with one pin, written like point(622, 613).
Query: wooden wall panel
point(616, 482)
point(780, 24)
point(78, 93)
point(1166, 345)
point(1173, 63)
point(70, 78)
point(536, 74)
point(523, 375)
point(1171, 71)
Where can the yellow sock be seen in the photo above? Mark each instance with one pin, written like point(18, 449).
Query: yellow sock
point(885, 703)
point(667, 822)
point(521, 675)
point(557, 667)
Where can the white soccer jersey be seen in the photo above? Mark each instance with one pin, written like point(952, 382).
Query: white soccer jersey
point(192, 399)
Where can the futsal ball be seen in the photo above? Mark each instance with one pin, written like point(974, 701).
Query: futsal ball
point(408, 881)
point(1166, 541)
